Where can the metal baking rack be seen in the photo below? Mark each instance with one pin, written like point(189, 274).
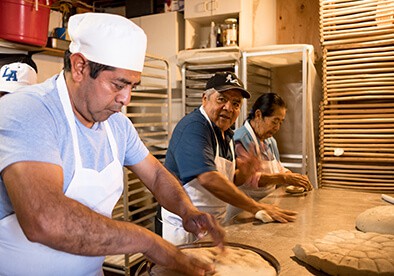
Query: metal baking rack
point(150, 112)
point(195, 77)
point(289, 71)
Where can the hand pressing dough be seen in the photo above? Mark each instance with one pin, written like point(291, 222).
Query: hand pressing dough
point(233, 261)
point(345, 252)
point(379, 219)
point(263, 216)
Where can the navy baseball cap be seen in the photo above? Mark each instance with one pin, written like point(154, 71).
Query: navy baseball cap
point(224, 81)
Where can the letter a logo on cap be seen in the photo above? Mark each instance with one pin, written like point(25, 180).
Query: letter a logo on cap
point(229, 78)
point(11, 76)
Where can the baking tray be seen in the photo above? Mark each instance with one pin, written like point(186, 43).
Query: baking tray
point(146, 266)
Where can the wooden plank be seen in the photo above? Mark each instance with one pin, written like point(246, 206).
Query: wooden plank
point(347, 4)
point(357, 35)
point(356, 130)
point(358, 111)
point(376, 84)
point(389, 117)
point(377, 92)
point(360, 98)
point(356, 186)
point(361, 64)
point(340, 45)
point(371, 146)
point(388, 180)
point(354, 135)
point(375, 57)
point(365, 173)
point(351, 127)
point(351, 71)
point(360, 105)
point(346, 154)
point(360, 159)
point(351, 53)
point(365, 141)
point(342, 25)
point(389, 167)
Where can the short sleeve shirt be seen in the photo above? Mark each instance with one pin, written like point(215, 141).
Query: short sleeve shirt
point(192, 147)
point(33, 127)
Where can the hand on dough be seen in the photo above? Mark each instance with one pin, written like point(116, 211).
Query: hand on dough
point(298, 180)
point(270, 212)
point(263, 216)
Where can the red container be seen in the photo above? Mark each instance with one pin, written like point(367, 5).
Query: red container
point(25, 21)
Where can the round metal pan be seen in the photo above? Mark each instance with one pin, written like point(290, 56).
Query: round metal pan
point(146, 266)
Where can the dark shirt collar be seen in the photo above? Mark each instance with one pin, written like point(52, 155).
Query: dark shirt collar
point(224, 144)
point(228, 134)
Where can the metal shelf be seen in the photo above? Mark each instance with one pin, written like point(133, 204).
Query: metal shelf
point(195, 77)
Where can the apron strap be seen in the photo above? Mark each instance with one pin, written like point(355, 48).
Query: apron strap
point(66, 103)
point(216, 138)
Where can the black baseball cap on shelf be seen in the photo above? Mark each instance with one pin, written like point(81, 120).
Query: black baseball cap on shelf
point(224, 81)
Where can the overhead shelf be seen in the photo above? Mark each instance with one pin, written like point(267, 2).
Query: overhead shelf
point(32, 49)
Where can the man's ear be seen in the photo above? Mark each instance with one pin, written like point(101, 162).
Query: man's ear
point(258, 114)
point(79, 65)
point(204, 98)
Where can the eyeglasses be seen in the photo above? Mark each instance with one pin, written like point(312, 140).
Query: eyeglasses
point(235, 103)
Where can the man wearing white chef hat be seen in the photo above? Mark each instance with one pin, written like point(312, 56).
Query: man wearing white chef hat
point(16, 75)
point(63, 147)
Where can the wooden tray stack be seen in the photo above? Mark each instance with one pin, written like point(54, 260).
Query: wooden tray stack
point(357, 112)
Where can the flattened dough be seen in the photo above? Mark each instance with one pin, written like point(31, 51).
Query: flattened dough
point(345, 252)
point(233, 262)
point(379, 219)
point(294, 189)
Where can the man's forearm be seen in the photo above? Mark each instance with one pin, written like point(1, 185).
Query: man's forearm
point(164, 186)
point(272, 179)
point(171, 195)
point(226, 191)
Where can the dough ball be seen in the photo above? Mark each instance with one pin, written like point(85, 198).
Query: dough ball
point(263, 216)
point(294, 189)
point(378, 219)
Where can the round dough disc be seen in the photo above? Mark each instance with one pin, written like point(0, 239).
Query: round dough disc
point(378, 219)
point(233, 262)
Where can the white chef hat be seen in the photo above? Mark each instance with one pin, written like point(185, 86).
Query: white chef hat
point(16, 75)
point(108, 39)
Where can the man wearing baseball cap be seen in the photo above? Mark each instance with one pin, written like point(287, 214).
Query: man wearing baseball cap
point(16, 75)
point(201, 155)
point(63, 147)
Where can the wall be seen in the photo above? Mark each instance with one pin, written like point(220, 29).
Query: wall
point(298, 23)
point(47, 66)
point(264, 17)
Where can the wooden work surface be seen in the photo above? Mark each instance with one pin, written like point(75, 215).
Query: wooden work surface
point(319, 212)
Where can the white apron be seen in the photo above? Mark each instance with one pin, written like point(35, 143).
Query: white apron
point(204, 200)
point(270, 166)
point(97, 190)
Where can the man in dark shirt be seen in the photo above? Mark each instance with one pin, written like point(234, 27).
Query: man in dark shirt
point(201, 155)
